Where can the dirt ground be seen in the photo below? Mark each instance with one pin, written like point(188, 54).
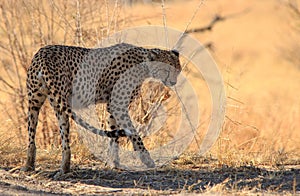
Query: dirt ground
point(178, 178)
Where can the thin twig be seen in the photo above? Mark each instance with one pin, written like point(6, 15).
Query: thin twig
point(7, 84)
point(62, 15)
point(188, 118)
point(230, 85)
point(165, 23)
point(233, 121)
point(114, 18)
point(192, 18)
point(235, 100)
point(107, 17)
point(179, 42)
point(78, 25)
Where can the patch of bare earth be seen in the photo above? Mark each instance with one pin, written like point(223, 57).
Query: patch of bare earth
point(96, 179)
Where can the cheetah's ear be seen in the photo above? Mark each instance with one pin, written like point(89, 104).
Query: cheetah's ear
point(175, 52)
point(153, 54)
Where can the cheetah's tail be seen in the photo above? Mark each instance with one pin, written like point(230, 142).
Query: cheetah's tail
point(111, 134)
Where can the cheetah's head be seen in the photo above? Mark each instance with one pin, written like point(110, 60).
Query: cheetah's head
point(165, 65)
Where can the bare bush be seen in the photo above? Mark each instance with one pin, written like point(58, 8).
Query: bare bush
point(28, 25)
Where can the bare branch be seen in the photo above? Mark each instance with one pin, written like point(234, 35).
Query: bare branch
point(6, 83)
point(294, 7)
point(208, 27)
point(214, 21)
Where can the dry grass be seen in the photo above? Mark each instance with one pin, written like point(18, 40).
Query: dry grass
point(255, 51)
point(261, 76)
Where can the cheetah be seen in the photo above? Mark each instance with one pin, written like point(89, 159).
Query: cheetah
point(68, 74)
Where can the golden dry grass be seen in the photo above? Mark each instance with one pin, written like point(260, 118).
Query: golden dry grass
point(254, 50)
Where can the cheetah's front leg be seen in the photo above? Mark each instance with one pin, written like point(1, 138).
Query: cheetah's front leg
point(144, 155)
point(138, 145)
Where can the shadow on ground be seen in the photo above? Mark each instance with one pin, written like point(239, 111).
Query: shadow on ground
point(193, 180)
point(165, 180)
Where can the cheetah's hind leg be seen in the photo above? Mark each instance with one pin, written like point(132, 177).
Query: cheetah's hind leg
point(113, 153)
point(35, 102)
